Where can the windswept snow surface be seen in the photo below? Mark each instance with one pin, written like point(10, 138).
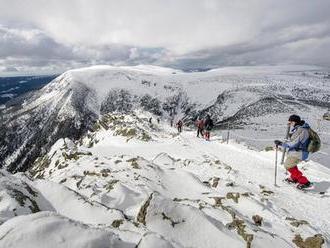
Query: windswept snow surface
point(48, 229)
point(169, 191)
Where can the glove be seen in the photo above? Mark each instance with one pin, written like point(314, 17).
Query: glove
point(278, 142)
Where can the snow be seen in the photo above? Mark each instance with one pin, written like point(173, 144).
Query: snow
point(7, 95)
point(172, 191)
point(200, 86)
point(153, 240)
point(48, 229)
point(194, 228)
point(9, 90)
point(240, 86)
point(64, 201)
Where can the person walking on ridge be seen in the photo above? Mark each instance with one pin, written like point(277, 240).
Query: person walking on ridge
point(297, 151)
point(200, 127)
point(179, 125)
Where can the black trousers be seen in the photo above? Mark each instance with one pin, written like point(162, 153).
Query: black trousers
point(200, 131)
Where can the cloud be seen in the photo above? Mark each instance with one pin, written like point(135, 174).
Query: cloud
point(292, 45)
point(8, 69)
point(30, 42)
point(32, 50)
point(180, 26)
point(185, 33)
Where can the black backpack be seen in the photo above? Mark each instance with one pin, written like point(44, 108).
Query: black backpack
point(209, 124)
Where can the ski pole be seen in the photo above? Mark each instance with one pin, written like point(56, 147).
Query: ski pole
point(228, 133)
point(286, 139)
point(276, 149)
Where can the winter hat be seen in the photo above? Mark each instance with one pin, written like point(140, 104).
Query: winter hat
point(295, 118)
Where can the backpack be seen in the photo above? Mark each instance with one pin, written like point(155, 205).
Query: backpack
point(314, 144)
point(208, 124)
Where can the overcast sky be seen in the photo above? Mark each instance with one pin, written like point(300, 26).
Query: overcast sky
point(55, 35)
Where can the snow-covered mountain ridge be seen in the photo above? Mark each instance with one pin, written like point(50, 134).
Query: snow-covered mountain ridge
point(115, 188)
point(237, 97)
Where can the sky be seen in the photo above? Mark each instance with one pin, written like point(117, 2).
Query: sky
point(56, 35)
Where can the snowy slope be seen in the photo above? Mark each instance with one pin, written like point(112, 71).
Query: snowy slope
point(251, 98)
point(117, 187)
point(48, 229)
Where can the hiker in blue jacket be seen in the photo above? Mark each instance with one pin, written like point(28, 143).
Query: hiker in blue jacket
point(297, 151)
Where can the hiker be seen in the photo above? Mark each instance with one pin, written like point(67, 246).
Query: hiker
point(179, 125)
point(208, 124)
point(297, 151)
point(158, 120)
point(200, 126)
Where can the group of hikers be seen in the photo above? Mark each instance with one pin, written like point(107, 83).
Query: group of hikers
point(204, 126)
point(301, 141)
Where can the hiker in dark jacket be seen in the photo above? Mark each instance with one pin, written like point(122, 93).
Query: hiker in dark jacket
point(200, 127)
point(179, 126)
point(208, 124)
point(297, 150)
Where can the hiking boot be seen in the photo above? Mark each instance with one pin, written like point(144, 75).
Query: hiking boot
point(289, 180)
point(304, 186)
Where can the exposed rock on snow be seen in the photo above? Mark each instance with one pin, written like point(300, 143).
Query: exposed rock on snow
point(311, 242)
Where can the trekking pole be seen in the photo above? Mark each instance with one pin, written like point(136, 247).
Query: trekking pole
point(276, 150)
point(228, 133)
point(318, 125)
point(286, 139)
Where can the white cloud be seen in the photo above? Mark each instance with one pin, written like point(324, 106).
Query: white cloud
point(181, 26)
point(169, 32)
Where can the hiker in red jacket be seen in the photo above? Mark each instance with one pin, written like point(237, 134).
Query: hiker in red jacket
point(179, 125)
point(200, 127)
